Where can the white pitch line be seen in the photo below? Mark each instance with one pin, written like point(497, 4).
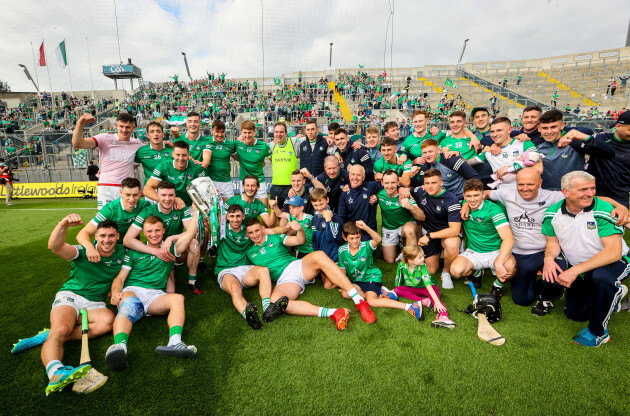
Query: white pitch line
point(42, 209)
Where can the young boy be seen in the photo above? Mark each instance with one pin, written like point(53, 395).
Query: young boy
point(373, 141)
point(355, 258)
point(296, 213)
point(326, 226)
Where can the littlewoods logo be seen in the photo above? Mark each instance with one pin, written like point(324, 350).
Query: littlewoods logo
point(283, 159)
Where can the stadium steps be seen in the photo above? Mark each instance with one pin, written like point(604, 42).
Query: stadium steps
point(484, 90)
point(343, 106)
point(560, 85)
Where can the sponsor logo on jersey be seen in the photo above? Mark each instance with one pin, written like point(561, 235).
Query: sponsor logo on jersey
point(591, 225)
point(540, 204)
point(424, 201)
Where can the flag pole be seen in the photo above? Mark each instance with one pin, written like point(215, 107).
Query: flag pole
point(90, 66)
point(39, 96)
point(68, 65)
point(52, 97)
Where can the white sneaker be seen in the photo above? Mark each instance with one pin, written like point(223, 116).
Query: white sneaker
point(447, 282)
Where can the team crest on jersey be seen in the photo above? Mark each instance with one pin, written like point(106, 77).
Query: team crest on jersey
point(424, 201)
point(448, 175)
point(438, 208)
point(257, 151)
point(362, 258)
point(565, 155)
point(118, 260)
point(321, 148)
point(197, 147)
point(175, 217)
point(270, 244)
point(515, 153)
point(364, 196)
point(290, 153)
point(591, 225)
point(167, 155)
point(188, 176)
point(479, 219)
point(352, 161)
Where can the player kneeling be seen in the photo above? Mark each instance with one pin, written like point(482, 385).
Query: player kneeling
point(140, 289)
point(355, 258)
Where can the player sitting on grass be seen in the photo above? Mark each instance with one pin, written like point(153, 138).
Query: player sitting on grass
point(398, 215)
point(122, 211)
point(234, 272)
point(489, 241)
point(292, 275)
point(174, 220)
point(413, 281)
point(140, 289)
point(87, 287)
point(356, 260)
point(296, 213)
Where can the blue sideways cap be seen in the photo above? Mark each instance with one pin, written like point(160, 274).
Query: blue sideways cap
point(295, 201)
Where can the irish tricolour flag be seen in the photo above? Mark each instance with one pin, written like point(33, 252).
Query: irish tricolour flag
point(61, 54)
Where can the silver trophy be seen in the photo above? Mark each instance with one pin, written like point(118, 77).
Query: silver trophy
point(209, 203)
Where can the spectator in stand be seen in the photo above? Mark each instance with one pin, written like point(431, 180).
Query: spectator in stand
point(6, 180)
point(92, 171)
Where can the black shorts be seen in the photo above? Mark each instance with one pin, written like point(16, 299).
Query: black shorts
point(369, 287)
point(434, 247)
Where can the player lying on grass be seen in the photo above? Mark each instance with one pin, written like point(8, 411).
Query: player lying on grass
point(140, 289)
point(413, 281)
point(292, 275)
point(356, 260)
point(87, 287)
point(234, 272)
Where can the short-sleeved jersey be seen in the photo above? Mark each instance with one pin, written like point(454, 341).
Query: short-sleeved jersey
point(419, 277)
point(252, 209)
point(580, 235)
point(146, 270)
point(439, 209)
point(393, 214)
point(115, 211)
point(173, 221)
point(251, 159)
point(459, 145)
point(196, 147)
point(232, 250)
point(271, 254)
point(411, 146)
point(307, 226)
point(115, 158)
point(93, 281)
point(166, 171)
point(360, 267)
point(482, 225)
point(150, 159)
point(219, 169)
point(508, 158)
point(526, 217)
point(381, 165)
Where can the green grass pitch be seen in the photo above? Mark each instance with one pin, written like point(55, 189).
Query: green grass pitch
point(296, 365)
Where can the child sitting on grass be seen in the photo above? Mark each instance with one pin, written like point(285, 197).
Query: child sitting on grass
point(355, 258)
point(413, 281)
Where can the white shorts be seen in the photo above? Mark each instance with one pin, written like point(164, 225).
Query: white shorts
point(293, 274)
point(391, 237)
point(146, 296)
point(225, 189)
point(78, 302)
point(239, 272)
point(106, 194)
point(262, 191)
point(481, 261)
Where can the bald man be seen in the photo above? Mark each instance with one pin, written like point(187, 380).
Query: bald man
point(526, 206)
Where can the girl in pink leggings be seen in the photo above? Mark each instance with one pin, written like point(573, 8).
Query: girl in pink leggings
point(413, 281)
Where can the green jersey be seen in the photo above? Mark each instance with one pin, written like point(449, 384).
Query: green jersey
point(115, 211)
point(219, 169)
point(393, 214)
point(381, 165)
point(232, 250)
point(307, 247)
point(173, 221)
point(411, 145)
point(419, 277)
point(251, 159)
point(150, 159)
point(146, 270)
point(271, 254)
point(197, 147)
point(459, 145)
point(166, 171)
point(252, 209)
point(93, 281)
point(360, 267)
point(482, 225)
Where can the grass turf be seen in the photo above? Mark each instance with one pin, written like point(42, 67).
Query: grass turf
point(301, 365)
